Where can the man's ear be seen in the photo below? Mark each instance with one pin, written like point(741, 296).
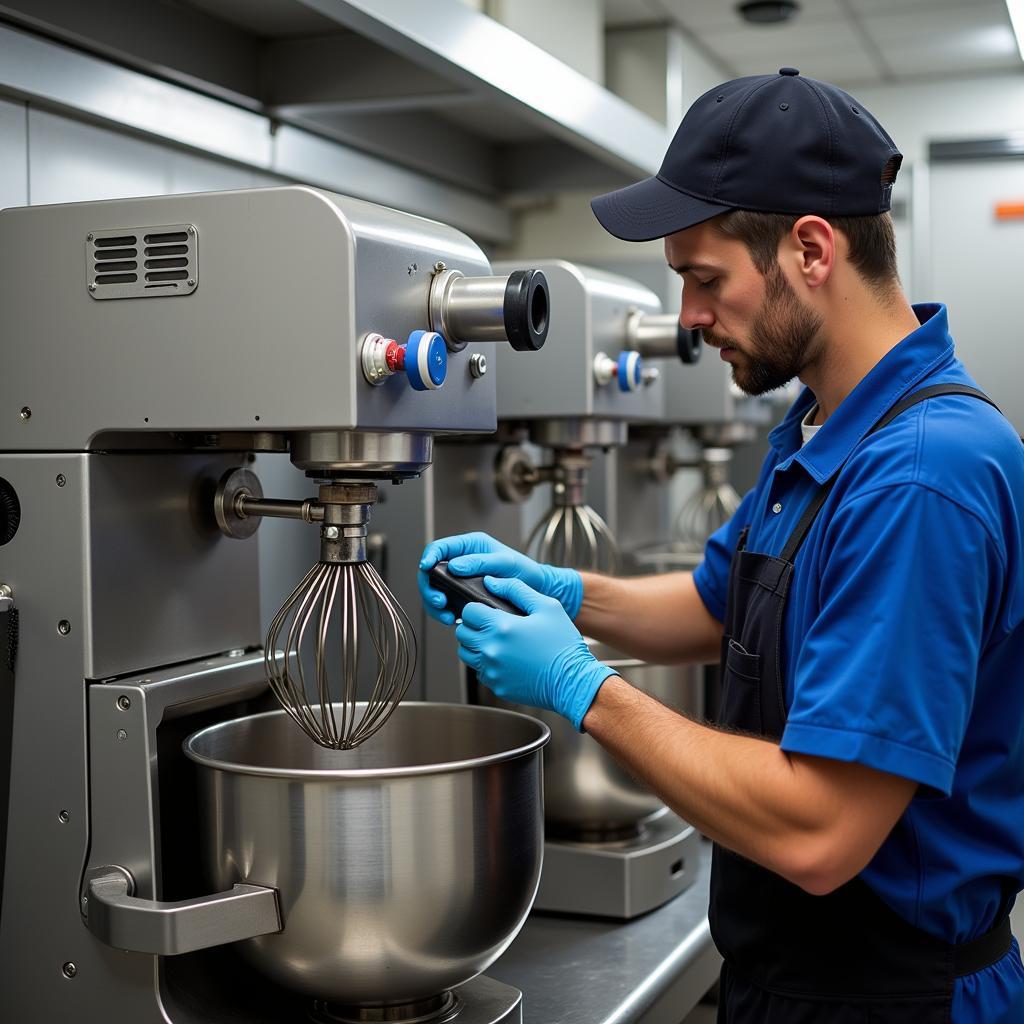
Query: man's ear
point(812, 244)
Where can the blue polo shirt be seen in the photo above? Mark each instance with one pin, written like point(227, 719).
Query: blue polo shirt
point(903, 645)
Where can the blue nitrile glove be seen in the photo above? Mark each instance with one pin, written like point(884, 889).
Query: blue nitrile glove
point(538, 659)
point(477, 554)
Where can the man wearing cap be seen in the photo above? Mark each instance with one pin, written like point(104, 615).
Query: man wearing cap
point(864, 779)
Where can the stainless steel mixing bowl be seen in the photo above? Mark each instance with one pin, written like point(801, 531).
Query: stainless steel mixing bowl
point(587, 793)
point(405, 866)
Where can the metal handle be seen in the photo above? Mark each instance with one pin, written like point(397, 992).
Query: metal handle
point(120, 919)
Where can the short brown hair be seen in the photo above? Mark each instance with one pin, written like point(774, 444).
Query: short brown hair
point(871, 239)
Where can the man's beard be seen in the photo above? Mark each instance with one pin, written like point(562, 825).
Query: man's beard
point(781, 342)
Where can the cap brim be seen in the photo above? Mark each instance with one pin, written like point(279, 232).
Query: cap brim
point(651, 209)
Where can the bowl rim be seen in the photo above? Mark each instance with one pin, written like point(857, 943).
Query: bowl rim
point(368, 774)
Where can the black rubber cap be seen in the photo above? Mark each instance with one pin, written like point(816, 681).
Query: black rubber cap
point(527, 310)
point(10, 512)
point(688, 344)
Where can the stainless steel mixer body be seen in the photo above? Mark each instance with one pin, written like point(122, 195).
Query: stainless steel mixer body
point(122, 404)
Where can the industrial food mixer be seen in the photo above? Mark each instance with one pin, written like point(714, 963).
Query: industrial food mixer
point(152, 346)
point(612, 848)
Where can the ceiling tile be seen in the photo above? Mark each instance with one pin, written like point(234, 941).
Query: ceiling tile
point(945, 25)
point(700, 16)
point(849, 64)
point(923, 7)
point(794, 45)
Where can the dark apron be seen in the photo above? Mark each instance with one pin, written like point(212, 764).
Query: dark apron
point(790, 957)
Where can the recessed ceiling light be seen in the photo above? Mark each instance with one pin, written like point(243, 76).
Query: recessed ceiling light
point(767, 12)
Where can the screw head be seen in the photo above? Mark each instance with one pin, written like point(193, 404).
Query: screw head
point(90, 236)
point(70, 969)
point(26, 413)
point(440, 266)
point(63, 627)
point(92, 286)
point(191, 230)
point(191, 282)
point(123, 703)
point(477, 365)
point(122, 735)
point(64, 817)
point(331, 532)
point(61, 479)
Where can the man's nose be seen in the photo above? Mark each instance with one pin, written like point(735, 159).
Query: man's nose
point(693, 312)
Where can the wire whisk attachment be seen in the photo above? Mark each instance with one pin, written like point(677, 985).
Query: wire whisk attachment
point(712, 505)
point(320, 633)
point(571, 533)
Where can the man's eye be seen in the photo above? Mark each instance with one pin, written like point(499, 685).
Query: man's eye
point(709, 283)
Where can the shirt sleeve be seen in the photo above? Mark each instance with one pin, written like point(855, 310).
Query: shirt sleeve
point(711, 577)
point(885, 675)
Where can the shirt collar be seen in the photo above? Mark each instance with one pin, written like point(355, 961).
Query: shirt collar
point(917, 356)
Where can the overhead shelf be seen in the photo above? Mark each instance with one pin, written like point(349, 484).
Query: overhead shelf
point(436, 88)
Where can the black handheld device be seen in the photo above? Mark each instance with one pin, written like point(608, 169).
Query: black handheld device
point(461, 590)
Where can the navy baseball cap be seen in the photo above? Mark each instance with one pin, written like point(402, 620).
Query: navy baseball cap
point(774, 143)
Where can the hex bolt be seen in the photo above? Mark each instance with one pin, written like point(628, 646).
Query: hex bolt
point(70, 969)
point(61, 479)
point(63, 627)
point(123, 703)
point(26, 413)
point(122, 735)
point(64, 817)
point(477, 365)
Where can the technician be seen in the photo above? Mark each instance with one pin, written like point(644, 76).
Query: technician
point(864, 780)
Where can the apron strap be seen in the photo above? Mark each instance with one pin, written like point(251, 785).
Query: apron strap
point(796, 538)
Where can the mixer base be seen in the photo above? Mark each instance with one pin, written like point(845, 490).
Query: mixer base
point(480, 1001)
point(621, 879)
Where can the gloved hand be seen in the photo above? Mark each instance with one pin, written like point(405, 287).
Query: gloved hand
point(539, 659)
point(477, 554)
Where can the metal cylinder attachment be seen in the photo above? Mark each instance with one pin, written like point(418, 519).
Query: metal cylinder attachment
point(513, 308)
point(662, 336)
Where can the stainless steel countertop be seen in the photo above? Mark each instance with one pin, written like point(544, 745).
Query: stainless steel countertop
point(653, 969)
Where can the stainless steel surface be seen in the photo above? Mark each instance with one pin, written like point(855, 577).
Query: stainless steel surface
point(586, 791)
point(557, 432)
point(479, 53)
point(121, 919)
point(620, 879)
point(187, 357)
point(424, 842)
point(142, 262)
point(590, 310)
point(651, 970)
point(341, 451)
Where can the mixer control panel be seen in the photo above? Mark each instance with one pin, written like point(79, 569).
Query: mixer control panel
point(423, 359)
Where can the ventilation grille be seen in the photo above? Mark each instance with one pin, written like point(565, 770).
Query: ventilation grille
point(137, 263)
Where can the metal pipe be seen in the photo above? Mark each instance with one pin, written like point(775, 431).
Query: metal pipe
point(307, 511)
point(662, 336)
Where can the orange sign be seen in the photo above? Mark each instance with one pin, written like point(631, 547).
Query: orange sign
point(1010, 211)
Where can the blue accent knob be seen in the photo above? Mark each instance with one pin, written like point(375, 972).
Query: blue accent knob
point(630, 371)
point(426, 360)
